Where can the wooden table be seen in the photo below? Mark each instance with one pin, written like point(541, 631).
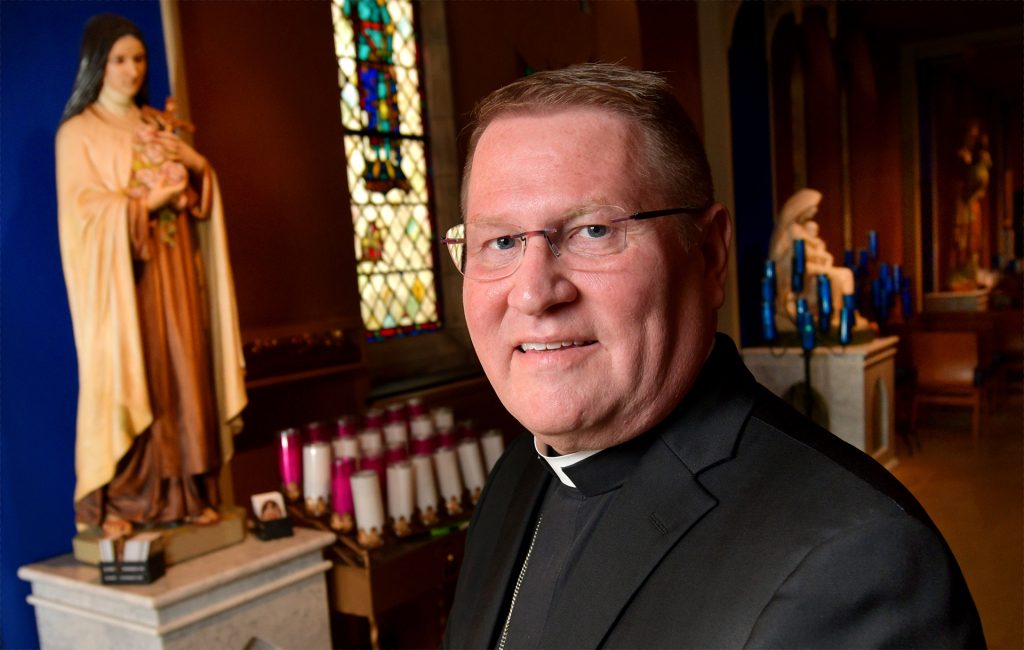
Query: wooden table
point(367, 583)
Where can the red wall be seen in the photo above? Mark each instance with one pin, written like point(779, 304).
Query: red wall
point(492, 43)
point(875, 155)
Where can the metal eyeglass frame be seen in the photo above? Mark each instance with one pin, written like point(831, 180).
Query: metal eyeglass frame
point(545, 232)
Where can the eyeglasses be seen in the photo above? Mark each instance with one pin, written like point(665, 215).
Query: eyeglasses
point(488, 250)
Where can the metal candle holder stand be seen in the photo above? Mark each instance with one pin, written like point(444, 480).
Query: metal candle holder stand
point(350, 552)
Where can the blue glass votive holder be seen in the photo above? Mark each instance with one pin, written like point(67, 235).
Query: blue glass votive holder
point(848, 258)
point(799, 265)
point(846, 316)
point(824, 303)
point(768, 321)
point(906, 299)
point(865, 257)
point(805, 324)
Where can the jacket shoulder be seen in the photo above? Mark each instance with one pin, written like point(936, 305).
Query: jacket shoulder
point(828, 459)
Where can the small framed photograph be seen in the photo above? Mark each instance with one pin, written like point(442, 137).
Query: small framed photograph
point(269, 506)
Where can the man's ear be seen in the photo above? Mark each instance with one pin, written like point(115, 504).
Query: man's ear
point(715, 242)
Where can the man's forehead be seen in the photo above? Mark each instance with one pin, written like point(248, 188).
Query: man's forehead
point(533, 152)
point(556, 117)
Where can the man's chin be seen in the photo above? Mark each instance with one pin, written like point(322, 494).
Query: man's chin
point(564, 440)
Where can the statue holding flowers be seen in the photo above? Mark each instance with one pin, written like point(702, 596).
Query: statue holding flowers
point(144, 251)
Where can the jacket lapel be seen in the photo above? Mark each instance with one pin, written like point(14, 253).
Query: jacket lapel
point(648, 517)
point(659, 502)
point(505, 518)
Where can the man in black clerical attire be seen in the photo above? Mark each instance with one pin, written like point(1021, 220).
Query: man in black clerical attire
point(665, 499)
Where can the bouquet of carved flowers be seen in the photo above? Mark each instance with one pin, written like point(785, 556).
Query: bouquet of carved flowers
point(152, 168)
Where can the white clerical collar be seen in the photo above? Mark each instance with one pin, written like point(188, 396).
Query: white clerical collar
point(559, 463)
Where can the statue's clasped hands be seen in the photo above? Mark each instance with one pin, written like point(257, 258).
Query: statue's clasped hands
point(178, 150)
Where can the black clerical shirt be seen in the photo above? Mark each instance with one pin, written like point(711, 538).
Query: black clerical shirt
point(561, 530)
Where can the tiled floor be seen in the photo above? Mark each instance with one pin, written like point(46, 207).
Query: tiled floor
point(975, 494)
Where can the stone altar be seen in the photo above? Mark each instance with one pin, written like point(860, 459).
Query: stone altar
point(856, 383)
point(251, 595)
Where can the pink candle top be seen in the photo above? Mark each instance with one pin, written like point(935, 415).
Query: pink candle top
point(345, 427)
point(374, 419)
point(396, 413)
point(415, 407)
point(290, 457)
point(446, 440)
point(396, 454)
point(341, 488)
point(466, 429)
point(423, 445)
point(315, 432)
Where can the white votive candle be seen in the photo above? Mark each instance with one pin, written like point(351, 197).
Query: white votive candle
point(472, 467)
point(369, 504)
point(444, 419)
point(400, 491)
point(447, 465)
point(426, 484)
point(396, 434)
point(346, 448)
point(371, 442)
point(316, 476)
point(493, 445)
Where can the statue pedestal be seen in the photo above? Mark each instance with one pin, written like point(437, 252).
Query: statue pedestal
point(251, 595)
point(180, 544)
point(856, 384)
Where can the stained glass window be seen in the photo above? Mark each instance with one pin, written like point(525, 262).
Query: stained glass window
point(386, 148)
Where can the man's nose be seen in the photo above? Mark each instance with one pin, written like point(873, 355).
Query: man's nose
point(540, 283)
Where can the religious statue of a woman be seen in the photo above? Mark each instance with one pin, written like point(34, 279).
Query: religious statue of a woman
point(144, 251)
point(796, 221)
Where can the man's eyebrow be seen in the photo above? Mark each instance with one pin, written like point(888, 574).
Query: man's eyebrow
point(568, 213)
point(490, 219)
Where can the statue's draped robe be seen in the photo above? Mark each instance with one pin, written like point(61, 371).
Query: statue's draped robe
point(160, 366)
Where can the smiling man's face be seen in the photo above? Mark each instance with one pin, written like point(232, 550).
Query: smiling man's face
point(621, 344)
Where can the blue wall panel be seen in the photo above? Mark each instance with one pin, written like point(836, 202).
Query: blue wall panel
point(38, 384)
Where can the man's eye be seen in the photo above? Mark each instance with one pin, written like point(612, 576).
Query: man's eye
point(504, 243)
point(595, 231)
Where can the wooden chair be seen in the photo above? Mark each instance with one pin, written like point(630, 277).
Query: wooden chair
point(947, 365)
point(1009, 346)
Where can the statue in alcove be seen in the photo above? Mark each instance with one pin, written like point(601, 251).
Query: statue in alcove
point(796, 221)
point(975, 162)
point(144, 251)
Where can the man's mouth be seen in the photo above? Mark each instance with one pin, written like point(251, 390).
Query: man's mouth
point(553, 345)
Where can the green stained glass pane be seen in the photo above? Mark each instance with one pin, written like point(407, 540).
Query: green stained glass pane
point(412, 308)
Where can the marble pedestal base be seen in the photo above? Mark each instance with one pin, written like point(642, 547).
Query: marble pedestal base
point(251, 595)
point(857, 385)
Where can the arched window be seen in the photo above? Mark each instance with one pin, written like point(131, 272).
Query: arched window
point(387, 148)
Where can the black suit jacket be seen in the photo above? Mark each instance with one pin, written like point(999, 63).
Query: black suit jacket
point(743, 525)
